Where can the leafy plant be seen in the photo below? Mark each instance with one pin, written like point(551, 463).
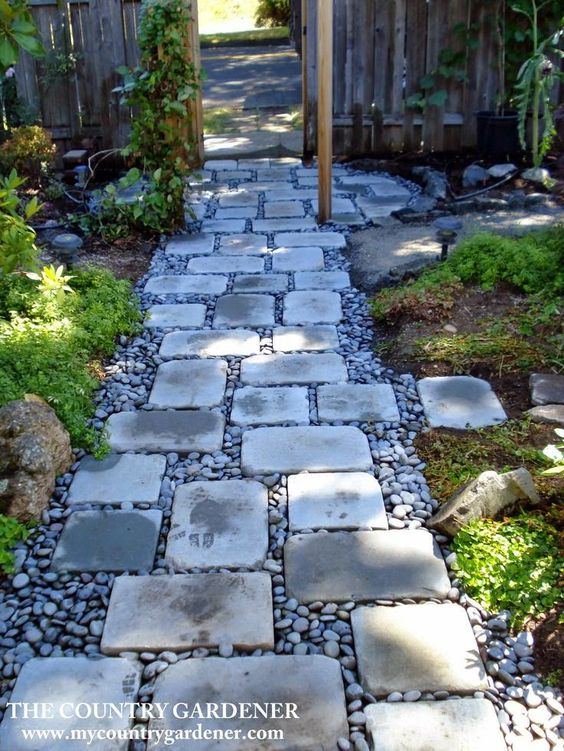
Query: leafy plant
point(54, 190)
point(18, 250)
point(29, 150)
point(11, 532)
point(512, 564)
point(273, 13)
point(53, 282)
point(555, 454)
point(59, 66)
point(17, 30)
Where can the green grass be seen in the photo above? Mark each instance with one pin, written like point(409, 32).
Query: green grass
point(242, 38)
point(218, 121)
point(11, 532)
point(215, 14)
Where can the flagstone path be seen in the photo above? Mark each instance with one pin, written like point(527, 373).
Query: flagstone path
point(271, 506)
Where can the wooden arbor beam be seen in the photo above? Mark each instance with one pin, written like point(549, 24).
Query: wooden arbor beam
point(325, 106)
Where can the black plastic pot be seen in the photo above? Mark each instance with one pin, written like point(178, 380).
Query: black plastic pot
point(498, 135)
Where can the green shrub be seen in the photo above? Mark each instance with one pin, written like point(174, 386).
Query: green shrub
point(18, 251)
point(29, 150)
point(11, 532)
point(49, 344)
point(273, 13)
point(512, 565)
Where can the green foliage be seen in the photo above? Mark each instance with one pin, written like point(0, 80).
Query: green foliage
point(17, 31)
point(161, 90)
point(555, 454)
point(53, 282)
point(273, 13)
point(512, 564)
point(49, 344)
point(54, 190)
point(11, 532)
point(17, 240)
point(29, 150)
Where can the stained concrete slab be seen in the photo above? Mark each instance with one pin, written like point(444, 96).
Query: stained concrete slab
point(321, 280)
point(339, 206)
point(184, 611)
point(189, 384)
point(210, 343)
point(118, 478)
point(305, 239)
point(459, 402)
point(364, 566)
point(313, 338)
point(219, 524)
point(244, 310)
point(238, 198)
point(270, 406)
point(335, 500)
point(223, 225)
point(312, 307)
point(108, 541)
point(243, 245)
point(278, 209)
point(284, 225)
point(242, 212)
point(461, 725)
point(185, 284)
point(279, 174)
point(351, 402)
point(166, 431)
point(190, 245)
point(64, 681)
point(222, 264)
point(295, 449)
point(180, 316)
point(261, 283)
point(298, 259)
point(426, 647)
point(313, 683)
point(220, 164)
point(282, 369)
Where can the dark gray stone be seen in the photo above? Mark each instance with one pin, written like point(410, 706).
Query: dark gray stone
point(474, 176)
point(118, 478)
point(552, 414)
point(547, 388)
point(165, 431)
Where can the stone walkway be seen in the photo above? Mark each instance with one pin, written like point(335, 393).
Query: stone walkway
point(266, 504)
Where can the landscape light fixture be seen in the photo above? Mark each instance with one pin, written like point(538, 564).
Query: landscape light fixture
point(66, 245)
point(447, 231)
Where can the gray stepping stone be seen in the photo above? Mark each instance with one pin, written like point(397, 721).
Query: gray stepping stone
point(335, 500)
point(352, 402)
point(311, 685)
point(293, 338)
point(191, 245)
point(279, 209)
point(459, 402)
point(425, 647)
point(184, 611)
point(210, 343)
point(294, 449)
point(322, 280)
point(283, 225)
point(222, 264)
point(186, 285)
point(243, 245)
point(60, 682)
point(223, 225)
point(282, 369)
point(547, 388)
point(108, 541)
point(239, 198)
point(235, 174)
point(339, 206)
point(220, 164)
point(364, 566)
point(271, 406)
point(461, 725)
point(548, 413)
point(301, 239)
point(244, 310)
point(312, 307)
point(376, 208)
point(261, 283)
point(189, 384)
point(219, 524)
point(119, 478)
point(243, 212)
point(280, 174)
point(298, 259)
point(181, 316)
point(166, 431)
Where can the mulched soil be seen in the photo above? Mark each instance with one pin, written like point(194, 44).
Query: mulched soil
point(549, 645)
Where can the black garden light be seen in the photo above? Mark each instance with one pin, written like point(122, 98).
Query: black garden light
point(447, 231)
point(66, 245)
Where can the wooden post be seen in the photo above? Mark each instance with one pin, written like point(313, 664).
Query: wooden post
point(325, 106)
point(197, 106)
point(305, 103)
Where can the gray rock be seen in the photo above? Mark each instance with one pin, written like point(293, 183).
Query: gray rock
point(547, 388)
point(499, 171)
point(536, 175)
point(459, 402)
point(553, 414)
point(474, 176)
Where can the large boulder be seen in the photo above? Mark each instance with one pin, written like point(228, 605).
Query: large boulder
point(34, 449)
point(486, 496)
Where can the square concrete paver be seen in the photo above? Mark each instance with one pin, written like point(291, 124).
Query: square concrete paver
point(312, 683)
point(108, 541)
point(189, 384)
point(222, 264)
point(360, 402)
point(244, 310)
point(186, 284)
point(165, 431)
point(223, 226)
point(118, 478)
point(243, 245)
point(335, 500)
point(189, 610)
point(296, 338)
point(238, 198)
point(282, 369)
point(261, 283)
point(190, 245)
point(181, 316)
point(322, 280)
point(283, 225)
point(278, 209)
point(242, 212)
point(219, 524)
point(301, 239)
point(64, 682)
point(461, 725)
point(459, 402)
point(312, 307)
point(298, 259)
point(339, 206)
point(272, 406)
point(210, 343)
point(295, 449)
point(425, 647)
point(364, 566)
